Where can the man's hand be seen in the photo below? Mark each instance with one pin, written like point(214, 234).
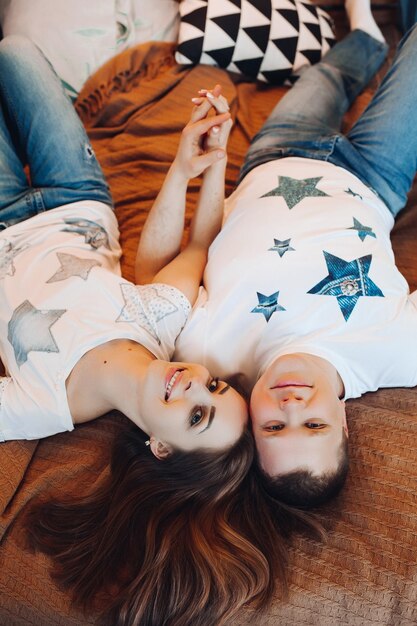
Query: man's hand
point(204, 139)
point(208, 100)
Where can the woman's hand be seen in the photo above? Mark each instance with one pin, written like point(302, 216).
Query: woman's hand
point(204, 138)
point(208, 100)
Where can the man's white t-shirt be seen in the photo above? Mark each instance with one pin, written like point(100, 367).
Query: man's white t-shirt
point(304, 263)
point(62, 294)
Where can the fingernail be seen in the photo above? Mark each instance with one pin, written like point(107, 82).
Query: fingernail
point(196, 100)
point(210, 95)
point(220, 154)
point(202, 91)
point(215, 129)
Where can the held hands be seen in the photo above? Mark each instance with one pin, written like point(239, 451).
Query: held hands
point(204, 139)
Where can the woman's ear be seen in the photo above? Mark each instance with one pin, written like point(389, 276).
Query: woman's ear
point(159, 449)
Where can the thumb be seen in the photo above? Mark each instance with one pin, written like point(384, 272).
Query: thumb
point(208, 158)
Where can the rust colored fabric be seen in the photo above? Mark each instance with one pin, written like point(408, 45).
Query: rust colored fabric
point(366, 573)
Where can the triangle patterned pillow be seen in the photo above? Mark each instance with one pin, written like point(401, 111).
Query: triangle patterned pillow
point(268, 40)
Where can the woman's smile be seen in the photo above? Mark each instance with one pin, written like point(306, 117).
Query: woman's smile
point(172, 379)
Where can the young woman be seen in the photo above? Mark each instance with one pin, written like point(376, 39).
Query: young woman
point(77, 339)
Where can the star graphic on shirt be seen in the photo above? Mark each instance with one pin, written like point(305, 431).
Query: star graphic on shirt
point(94, 234)
point(281, 246)
point(293, 190)
point(145, 307)
point(353, 193)
point(29, 330)
point(347, 281)
point(362, 230)
point(72, 265)
point(7, 254)
point(268, 305)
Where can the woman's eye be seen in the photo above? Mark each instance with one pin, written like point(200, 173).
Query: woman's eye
point(213, 385)
point(196, 416)
point(314, 425)
point(274, 427)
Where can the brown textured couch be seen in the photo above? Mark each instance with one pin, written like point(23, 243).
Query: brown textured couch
point(366, 573)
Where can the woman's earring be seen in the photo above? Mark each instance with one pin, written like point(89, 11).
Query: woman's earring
point(148, 442)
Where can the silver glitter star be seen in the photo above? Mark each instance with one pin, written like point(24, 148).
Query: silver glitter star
point(72, 265)
point(145, 307)
point(293, 190)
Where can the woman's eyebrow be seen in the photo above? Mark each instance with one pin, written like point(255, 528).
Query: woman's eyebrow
point(210, 419)
point(224, 390)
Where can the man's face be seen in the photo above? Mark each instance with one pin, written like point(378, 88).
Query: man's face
point(297, 417)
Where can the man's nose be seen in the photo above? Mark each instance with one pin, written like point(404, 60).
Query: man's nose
point(290, 400)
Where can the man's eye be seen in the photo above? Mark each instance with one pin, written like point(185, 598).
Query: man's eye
point(213, 385)
point(274, 427)
point(196, 416)
point(314, 425)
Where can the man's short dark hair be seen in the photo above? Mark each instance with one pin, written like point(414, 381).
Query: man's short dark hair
point(305, 490)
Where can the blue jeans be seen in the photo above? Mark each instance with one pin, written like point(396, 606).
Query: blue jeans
point(40, 128)
point(381, 148)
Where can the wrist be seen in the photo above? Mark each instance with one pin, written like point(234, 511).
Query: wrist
point(178, 174)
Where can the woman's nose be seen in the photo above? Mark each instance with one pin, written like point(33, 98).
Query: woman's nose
point(196, 382)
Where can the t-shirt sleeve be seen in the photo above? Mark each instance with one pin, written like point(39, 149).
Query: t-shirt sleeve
point(165, 311)
point(22, 417)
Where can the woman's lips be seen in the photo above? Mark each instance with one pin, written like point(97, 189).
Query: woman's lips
point(172, 379)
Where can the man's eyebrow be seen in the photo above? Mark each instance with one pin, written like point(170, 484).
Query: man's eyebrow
point(222, 391)
point(210, 419)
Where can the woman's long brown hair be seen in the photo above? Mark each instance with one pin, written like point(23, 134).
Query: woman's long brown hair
point(185, 541)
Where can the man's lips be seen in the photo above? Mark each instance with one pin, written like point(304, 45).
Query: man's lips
point(284, 385)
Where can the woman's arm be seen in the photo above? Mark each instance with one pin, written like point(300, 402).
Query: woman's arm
point(163, 230)
point(186, 270)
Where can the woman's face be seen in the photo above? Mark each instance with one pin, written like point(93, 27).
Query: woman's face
point(183, 406)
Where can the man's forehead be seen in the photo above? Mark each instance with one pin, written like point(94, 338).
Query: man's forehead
point(278, 456)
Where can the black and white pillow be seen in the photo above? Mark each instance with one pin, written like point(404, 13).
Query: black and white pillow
point(264, 39)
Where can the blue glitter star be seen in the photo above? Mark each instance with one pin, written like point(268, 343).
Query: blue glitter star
point(282, 246)
point(94, 234)
point(30, 330)
point(293, 190)
point(347, 281)
point(362, 230)
point(353, 193)
point(267, 305)
point(7, 254)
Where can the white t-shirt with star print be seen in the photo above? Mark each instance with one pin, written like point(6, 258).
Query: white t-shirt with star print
point(62, 294)
point(304, 263)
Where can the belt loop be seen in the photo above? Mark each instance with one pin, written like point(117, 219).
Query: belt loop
point(38, 201)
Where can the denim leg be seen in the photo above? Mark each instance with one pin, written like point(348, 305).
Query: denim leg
point(306, 119)
point(46, 133)
point(385, 136)
point(13, 181)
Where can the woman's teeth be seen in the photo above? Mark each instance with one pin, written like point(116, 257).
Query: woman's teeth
point(171, 383)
